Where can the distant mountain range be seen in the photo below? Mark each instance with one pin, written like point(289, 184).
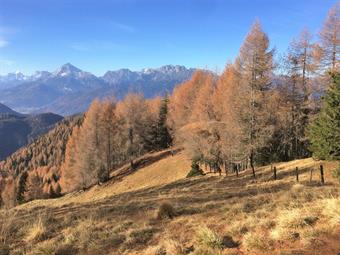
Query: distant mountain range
point(17, 130)
point(5, 110)
point(69, 90)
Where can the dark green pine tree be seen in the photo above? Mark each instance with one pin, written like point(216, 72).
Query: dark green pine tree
point(22, 187)
point(54, 193)
point(163, 137)
point(51, 192)
point(324, 132)
point(58, 190)
point(195, 169)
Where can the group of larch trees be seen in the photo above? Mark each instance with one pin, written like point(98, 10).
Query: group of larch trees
point(113, 134)
point(261, 109)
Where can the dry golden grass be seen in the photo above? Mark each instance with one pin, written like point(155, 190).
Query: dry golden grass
point(256, 241)
point(331, 210)
point(258, 217)
point(161, 172)
point(36, 231)
point(7, 226)
point(164, 171)
point(206, 237)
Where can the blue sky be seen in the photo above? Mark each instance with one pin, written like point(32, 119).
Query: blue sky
point(101, 35)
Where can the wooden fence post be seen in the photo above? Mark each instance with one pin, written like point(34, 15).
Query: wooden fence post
point(297, 174)
point(311, 175)
point(321, 174)
point(275, 177)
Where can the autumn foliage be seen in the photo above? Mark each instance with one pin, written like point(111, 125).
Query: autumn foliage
point(257, 111)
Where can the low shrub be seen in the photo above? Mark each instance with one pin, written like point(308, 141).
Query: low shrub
point(166, 211)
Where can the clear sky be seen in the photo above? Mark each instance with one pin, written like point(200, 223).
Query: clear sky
point(101, 35)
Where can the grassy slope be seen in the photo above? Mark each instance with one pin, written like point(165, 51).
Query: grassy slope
point(262, 216)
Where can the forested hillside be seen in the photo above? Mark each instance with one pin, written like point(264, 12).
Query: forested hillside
point(33, 171)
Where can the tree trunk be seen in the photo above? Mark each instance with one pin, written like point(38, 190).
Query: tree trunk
point(311, 175)
point(334, 56)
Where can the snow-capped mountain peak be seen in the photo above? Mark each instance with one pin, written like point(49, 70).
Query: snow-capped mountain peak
point(67, 70)
point(147, 70)
point(69, 90)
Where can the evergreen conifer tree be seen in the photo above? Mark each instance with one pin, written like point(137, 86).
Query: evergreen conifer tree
point(22, 187)
point(163, 137)
point(324, 132)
